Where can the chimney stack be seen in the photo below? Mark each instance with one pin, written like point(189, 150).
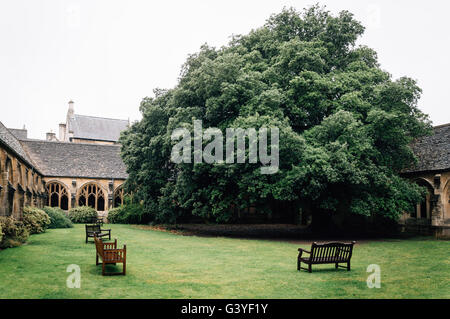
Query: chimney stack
point(62, 132)
point(50, 136)
point(71, 109)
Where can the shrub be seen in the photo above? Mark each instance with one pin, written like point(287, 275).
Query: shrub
point(82, 214)
point(35, 219)
point(134, 214)
point(58, 218)
point(131, 213)
point(115, 215)
point(14, 232)
point(1, 233)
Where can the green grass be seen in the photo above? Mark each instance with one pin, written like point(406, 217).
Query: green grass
point(166, 265)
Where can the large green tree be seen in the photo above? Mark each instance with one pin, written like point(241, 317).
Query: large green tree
point(345, 125)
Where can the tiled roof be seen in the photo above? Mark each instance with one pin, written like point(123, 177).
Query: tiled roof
point(64, 159)
point(8, 139)
point(433, 152)
point(20, 134)
point(96, 128)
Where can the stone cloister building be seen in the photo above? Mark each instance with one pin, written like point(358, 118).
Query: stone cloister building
point(432, 171)
point(21, 182)
point(81, 167)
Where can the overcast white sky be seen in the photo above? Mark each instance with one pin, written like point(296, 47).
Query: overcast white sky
point(107, 55)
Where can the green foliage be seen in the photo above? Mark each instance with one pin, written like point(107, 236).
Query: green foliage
point(35, 219)
point(15, 232)
point(1, 233)
point(82, 214)
point(58, 218)
point(345, 125)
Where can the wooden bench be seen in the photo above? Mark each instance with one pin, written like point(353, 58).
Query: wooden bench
point(95, 230)
point(109, 254)
point(328, 253)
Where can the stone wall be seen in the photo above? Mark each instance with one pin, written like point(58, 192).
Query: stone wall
point(79, 140)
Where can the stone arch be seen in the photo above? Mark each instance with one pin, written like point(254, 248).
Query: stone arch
point(118, 196)
point(446, 196)
point(93, 195)
point(425, 207)
point(58, 195)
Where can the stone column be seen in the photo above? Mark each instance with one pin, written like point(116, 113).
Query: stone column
point(436, 213)
point(72, 200)
point(3, 193)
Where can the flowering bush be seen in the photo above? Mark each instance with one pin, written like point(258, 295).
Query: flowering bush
point(14, 232)
point(35, 219)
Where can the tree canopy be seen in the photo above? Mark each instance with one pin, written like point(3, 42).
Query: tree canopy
point(345, 125)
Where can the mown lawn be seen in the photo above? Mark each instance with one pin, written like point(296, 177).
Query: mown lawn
point(166, 265)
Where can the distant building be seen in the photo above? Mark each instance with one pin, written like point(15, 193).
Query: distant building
point(89, 129)
point(81, 167)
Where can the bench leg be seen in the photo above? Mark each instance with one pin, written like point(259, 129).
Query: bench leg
point(298, 264)
point(96, 260)
point(336, 265)
point(309, 268)
point(124, 268)
point(103, 268)
point(348, 266)
point(86, 239)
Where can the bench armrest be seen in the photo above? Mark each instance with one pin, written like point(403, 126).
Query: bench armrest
point(304, 250)
point(115, 254)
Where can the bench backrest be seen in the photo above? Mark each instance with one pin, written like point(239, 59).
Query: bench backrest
point(93, 228)
point(98, 245)
point(324, 252)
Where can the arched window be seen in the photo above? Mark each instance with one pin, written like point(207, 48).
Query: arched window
point(424, 208)
point(118, 196)
point(11, 191)
point(93, 196)
point(9, 171)
point(57, 195)
point(26, 179)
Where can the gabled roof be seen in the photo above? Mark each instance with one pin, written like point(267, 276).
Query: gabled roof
point(65, 159)
point(10, 141)
point(433, 152)
point(96, 128)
